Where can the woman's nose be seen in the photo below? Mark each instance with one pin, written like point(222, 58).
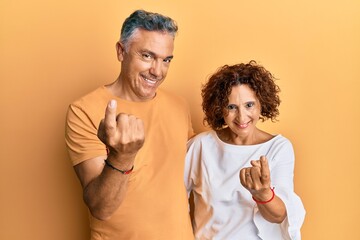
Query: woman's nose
point(241, 114)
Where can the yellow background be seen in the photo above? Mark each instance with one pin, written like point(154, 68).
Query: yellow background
point(52, 52)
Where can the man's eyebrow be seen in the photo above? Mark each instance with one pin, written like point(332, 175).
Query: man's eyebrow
point(155, 55)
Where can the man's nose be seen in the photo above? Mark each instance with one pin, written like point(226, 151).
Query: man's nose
point(155, 69)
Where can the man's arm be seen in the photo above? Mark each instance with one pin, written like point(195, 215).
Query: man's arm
point(103, 187)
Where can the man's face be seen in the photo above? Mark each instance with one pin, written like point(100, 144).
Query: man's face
point(145, 63)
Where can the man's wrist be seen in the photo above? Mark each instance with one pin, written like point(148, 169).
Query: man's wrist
point(123, 171)
point(119, 156)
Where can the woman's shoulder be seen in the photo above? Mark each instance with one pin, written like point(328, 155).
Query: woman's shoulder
point(279, 143)
point(202, 137)
point(280, 139)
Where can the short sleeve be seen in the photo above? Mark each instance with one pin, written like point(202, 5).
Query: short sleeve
point(81, 136)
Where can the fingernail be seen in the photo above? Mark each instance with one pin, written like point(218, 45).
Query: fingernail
point(112, 104)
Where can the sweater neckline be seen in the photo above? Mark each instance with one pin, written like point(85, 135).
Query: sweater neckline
point(234, 146)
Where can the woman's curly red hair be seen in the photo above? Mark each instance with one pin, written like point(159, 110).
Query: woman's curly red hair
point(215, 93)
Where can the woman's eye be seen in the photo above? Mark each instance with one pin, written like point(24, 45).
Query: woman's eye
point(250, 104)
point(231, 107)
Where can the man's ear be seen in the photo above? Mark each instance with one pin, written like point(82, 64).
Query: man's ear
point(120, 50)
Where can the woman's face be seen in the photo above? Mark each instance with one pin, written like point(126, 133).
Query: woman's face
point(242, 112)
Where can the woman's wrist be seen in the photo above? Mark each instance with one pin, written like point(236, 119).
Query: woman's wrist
point(265, 198)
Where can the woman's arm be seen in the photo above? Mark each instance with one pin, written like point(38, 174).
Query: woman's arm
point(256, 179)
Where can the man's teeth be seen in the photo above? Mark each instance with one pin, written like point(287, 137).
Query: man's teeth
point(149, 80)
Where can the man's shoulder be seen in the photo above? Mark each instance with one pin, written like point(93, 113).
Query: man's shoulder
point(94, 100)
point(92, 105)
point(93, 96)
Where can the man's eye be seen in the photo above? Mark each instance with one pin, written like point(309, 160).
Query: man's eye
point(167, 60)
point(147, 56)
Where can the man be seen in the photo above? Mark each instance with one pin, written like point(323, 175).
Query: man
point(133, 178)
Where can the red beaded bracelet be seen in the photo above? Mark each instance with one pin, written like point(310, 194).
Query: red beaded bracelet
point(263, 202)
point(125, 172)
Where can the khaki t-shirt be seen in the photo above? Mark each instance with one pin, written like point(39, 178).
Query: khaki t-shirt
point(155, 206)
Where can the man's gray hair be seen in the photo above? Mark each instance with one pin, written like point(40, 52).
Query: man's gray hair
point(141, 19)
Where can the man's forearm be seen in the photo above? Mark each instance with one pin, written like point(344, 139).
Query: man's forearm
point(104, 194)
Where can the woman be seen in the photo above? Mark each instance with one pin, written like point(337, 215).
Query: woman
point(241, 177)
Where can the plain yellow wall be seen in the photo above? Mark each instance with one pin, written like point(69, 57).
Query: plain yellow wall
point(52, 52)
